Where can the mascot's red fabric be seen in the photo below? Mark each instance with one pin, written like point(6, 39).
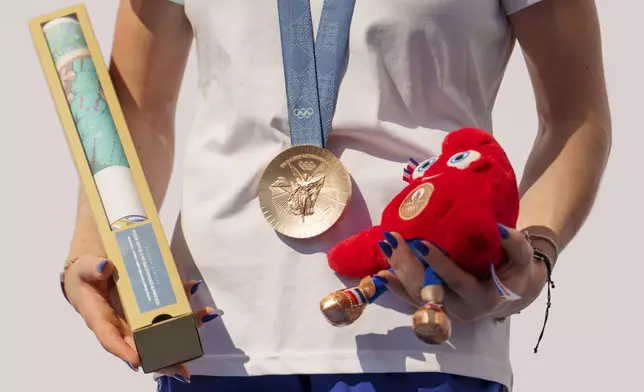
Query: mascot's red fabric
point(454, 201)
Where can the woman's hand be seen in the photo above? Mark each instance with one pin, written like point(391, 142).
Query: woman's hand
point(467, 298)
point(89, 288)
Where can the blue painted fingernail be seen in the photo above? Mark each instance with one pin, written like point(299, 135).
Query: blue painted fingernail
point(101, 266)
point(182, 379)
point(391, 239)
point(209, 317)
point(504, 232)
point(422, 248)
point(195, 287)
point(130, 366)
point(386, 249)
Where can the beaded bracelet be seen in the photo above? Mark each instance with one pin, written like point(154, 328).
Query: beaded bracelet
point(555, 247)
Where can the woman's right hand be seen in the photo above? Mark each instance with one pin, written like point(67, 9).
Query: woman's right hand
point(89, 289)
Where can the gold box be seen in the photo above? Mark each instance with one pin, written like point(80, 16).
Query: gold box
point(150, 289)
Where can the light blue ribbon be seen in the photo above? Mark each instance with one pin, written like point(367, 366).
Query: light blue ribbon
point(313, 69)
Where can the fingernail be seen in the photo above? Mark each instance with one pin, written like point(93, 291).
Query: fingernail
point(195, 287)
point(130, 366)
point(386, 249)
point(422, 248)
point(209, 317)
point(503, 231)
point(182, 379)
point(101, 266)
point(391, 239)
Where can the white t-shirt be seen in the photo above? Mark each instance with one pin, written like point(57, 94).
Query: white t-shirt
point(417, 69)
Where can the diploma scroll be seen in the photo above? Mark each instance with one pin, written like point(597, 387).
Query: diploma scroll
point(96, 129)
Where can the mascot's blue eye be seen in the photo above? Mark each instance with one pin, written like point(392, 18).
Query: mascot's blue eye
point(463, 159)
point(423, 167)
point(461, 156)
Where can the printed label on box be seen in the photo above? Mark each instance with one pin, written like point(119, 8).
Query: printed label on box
point(145, 267)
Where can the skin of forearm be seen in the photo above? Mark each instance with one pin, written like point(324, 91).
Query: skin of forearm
point(562, 177)
point(564, 170)
point(153, 135)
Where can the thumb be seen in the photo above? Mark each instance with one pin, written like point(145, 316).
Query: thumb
point(94, 269)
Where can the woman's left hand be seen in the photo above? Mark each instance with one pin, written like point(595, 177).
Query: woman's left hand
point(467, 298)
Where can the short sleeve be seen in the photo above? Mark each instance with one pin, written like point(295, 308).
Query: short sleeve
point(512, 6)
point(177, 1)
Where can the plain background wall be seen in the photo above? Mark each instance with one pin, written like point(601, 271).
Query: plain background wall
point(594, 337)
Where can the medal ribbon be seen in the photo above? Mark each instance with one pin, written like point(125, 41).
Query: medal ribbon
point(313, 68)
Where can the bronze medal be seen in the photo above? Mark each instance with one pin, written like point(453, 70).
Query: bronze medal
point(304, 191)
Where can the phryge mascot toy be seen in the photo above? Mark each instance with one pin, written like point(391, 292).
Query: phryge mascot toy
point(453, 201)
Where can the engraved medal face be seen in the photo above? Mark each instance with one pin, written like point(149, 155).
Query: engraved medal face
point(304, 191)
point(416, 201)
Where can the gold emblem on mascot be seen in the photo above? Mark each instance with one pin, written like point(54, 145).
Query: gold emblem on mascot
point(416, 201)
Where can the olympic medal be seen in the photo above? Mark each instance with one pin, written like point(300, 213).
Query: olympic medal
point(304, 191)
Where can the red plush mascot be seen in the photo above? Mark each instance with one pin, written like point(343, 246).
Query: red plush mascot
point(454, 201)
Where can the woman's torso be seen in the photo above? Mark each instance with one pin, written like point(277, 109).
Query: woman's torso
point(417, 69)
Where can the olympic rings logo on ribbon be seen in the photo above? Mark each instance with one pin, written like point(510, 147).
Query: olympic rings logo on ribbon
point(303, 113)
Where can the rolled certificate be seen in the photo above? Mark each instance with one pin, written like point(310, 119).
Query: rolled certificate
point(97, 131)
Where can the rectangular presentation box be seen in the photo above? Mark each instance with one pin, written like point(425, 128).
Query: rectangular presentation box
point(151, 291)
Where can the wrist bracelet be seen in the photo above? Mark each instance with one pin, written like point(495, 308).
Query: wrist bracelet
point(68, 263)
point(540, 255)
point(555, 247)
